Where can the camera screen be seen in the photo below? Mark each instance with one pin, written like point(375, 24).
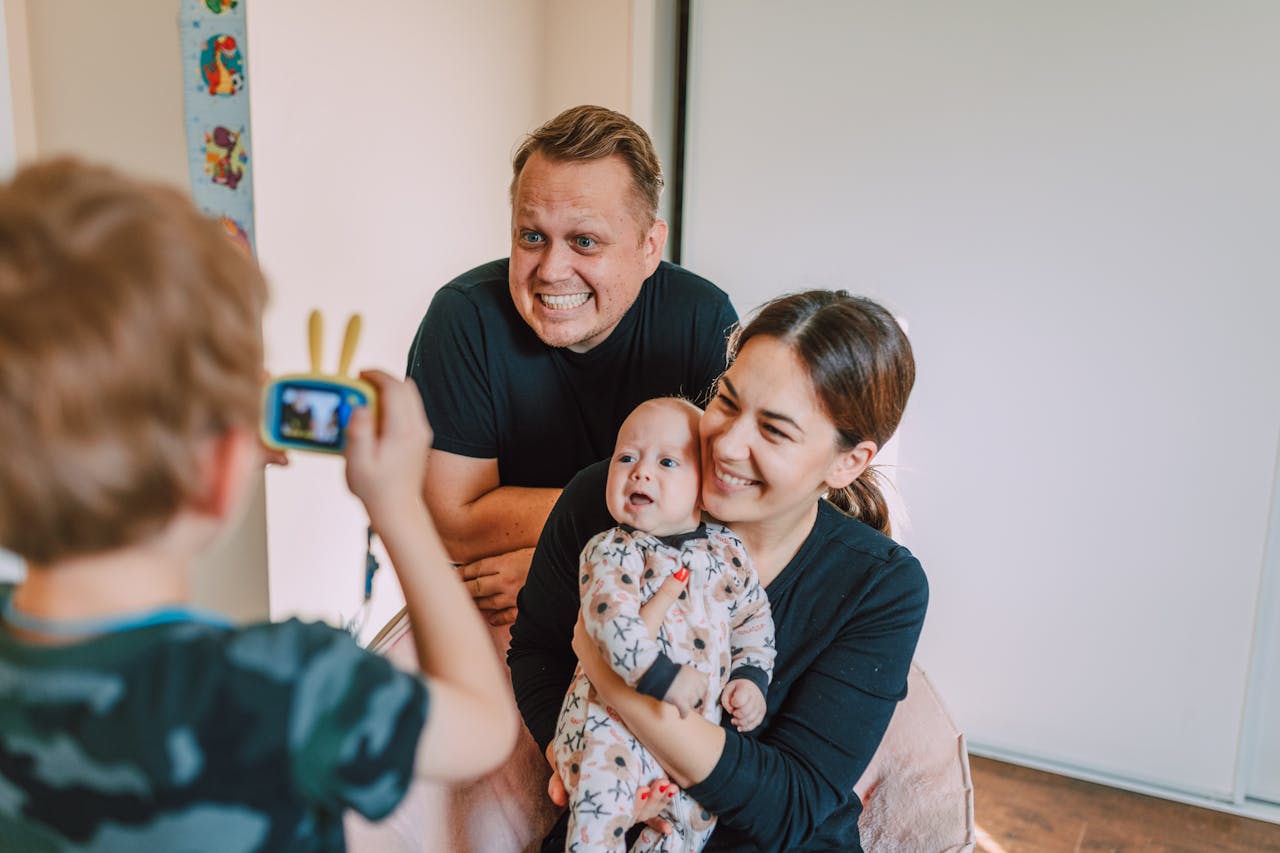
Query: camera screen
point(312, 415)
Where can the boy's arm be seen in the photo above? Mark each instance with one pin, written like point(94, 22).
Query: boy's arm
point(471, 725)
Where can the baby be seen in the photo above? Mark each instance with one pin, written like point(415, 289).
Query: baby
point(716, 641)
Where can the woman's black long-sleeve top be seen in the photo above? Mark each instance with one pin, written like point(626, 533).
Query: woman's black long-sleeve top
point(847, 611)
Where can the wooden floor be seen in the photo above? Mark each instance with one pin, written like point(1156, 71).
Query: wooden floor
point(1020, 810)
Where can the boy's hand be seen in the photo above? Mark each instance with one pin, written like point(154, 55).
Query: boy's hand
point(744, 701)
point(688, 690)
point(385, 461)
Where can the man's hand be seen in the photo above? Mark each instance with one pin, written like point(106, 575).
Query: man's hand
point(494, 583)
point(743, 699)
point(688, 690)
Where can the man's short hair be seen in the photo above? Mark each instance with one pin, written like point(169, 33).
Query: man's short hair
point(130, 330)
point(593, 133)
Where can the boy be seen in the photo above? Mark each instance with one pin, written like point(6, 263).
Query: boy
point(130, 375)
point(716, 642)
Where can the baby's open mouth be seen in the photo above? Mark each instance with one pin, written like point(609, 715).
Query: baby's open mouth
point(639, 499)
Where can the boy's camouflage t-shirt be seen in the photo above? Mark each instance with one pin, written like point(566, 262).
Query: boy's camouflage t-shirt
point(195, 737)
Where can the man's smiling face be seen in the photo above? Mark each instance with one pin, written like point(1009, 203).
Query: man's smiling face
point(579, 248)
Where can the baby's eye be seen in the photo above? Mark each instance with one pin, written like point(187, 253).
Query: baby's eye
point(626, 458)
point(584, 242)
point(668, 462)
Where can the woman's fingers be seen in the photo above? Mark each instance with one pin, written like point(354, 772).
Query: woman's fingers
point(651, 800)
point(555, 785)
point(556, 791)
point(655, 609)
point(581, 639)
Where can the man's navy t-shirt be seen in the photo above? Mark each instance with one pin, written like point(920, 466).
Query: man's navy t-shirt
point(492, 389)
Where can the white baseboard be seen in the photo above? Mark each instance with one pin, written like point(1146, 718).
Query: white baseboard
point(1255, 809)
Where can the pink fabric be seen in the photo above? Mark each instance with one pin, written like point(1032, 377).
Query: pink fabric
point(917, 795)
point(504, 812)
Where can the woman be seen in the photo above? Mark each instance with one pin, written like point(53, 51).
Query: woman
point(817, 383)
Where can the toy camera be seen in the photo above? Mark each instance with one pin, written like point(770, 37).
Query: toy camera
point(309, 411)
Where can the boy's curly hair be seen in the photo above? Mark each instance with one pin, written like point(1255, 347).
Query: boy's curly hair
point(130, 330)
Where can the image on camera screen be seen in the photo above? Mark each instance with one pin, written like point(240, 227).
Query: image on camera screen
point(312, 415)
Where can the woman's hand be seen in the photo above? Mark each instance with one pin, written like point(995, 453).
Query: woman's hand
point(653, 611)
point(555, 786)
point(597, 669)
point(650, 799)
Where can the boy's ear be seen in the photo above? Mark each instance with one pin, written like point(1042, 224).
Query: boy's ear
point(229, 462)
point(850, 464)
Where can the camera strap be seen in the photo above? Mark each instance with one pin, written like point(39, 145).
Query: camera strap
point(371, 565)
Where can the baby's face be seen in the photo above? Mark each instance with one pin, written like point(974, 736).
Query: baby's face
point(654, 474)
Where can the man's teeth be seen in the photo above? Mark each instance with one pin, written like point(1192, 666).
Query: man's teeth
point(731, 480)
point(573, 300)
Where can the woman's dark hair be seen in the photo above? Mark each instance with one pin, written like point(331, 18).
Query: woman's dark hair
point(862, 369)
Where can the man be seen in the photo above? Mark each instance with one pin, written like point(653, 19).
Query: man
point(529, 365)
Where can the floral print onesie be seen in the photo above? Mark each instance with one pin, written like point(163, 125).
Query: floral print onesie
point(720, 625)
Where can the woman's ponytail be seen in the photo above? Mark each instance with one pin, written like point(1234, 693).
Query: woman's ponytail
point(863, 499)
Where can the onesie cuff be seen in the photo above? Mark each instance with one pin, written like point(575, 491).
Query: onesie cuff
point(755, 675)
point(657, 681)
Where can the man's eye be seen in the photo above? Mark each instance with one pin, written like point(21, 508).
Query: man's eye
point(531, 237)
point(584, 242)
point(668, 462)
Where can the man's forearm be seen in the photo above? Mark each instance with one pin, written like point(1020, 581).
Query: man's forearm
point(504, 519)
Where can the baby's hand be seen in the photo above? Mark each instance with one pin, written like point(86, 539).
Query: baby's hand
point(687, 690)
point(743, 699)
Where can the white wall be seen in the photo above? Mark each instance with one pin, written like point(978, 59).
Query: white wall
point(619, 54)
point(429, 106)
point(103, 81)
point(378, 180)
point(1076, 207)
point(588, 54)
point(8, 138)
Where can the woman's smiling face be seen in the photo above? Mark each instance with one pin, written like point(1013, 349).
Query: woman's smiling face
point(769, 449)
